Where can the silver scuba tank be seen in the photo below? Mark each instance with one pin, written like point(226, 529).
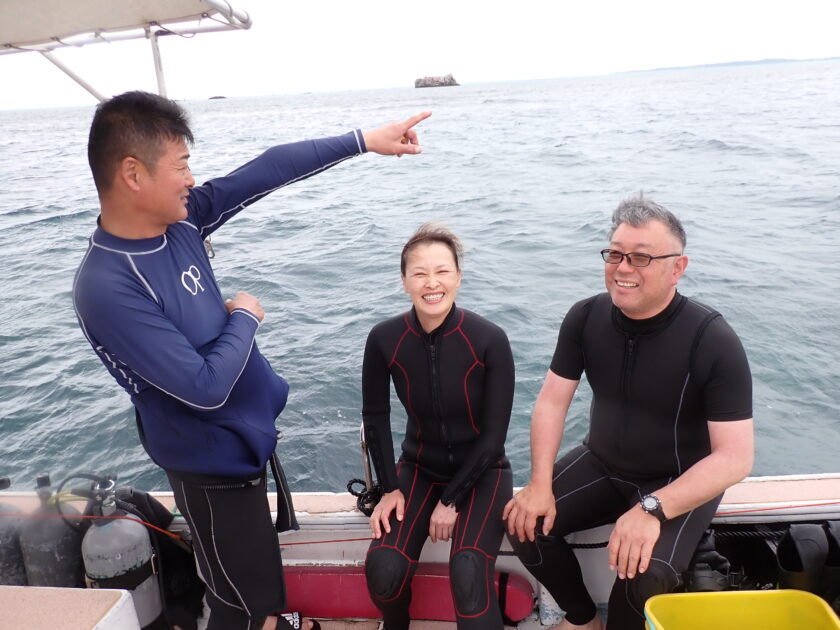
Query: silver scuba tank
point(50, 541)
point(118, 553)
point(12, 569)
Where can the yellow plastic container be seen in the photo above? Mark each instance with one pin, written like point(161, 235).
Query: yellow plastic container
point(740, 610)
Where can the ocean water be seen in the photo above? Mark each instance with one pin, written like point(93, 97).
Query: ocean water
point(527, 173)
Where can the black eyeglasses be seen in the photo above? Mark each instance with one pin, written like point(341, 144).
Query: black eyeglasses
point(614, 257)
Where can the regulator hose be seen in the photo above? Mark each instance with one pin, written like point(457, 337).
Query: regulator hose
point(100, 487)
point(366, 498)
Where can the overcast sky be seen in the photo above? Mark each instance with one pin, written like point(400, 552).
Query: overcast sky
point(340, 45)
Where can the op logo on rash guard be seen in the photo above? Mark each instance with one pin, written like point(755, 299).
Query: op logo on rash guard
point(190, 279)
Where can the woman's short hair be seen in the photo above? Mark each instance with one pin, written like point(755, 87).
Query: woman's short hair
point(433, 233)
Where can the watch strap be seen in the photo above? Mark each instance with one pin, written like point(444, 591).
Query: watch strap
point(657, 510)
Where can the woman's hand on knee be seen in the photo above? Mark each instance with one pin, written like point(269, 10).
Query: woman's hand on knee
point(442, 522)
point(381, 518)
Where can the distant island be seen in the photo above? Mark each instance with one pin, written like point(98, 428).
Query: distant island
point(435, 81)
point(212, 98)
point(732, 63)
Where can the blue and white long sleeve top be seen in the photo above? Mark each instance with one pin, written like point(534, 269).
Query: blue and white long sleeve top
point(154, 314)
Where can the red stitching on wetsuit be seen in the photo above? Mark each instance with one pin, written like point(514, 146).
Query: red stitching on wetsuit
point(467, 522)
point(466, 376)
point(472, 367)
point(467, 397)
point(411, 407)
point(457, 327)
point(408, 324)
point(405, 577)
point(397, 349)
point(408, 502)
point(458, 520)
point(490, 581)
point(481, 551)
point(382, 545)
point(469, 343)
point(489, 509)
point(419, 510)
point(407, 388)
point(408, 381)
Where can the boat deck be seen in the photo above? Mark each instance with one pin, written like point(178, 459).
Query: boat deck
point(43, 608)
point(334, 533)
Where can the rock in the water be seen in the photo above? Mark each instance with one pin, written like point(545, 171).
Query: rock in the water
point(435, 81)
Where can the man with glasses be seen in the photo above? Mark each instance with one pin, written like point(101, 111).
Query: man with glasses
point(670, 426)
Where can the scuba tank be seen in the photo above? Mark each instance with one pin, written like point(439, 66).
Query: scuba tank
point(12, 569)
point(118, 552)
point(50, 541)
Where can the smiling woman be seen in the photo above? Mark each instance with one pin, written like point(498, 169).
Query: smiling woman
point(453, 372)
point(431, 273)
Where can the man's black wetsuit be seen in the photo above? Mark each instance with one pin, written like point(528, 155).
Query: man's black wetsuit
point(456, 385)
point(656, 383)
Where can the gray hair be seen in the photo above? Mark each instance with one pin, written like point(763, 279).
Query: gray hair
point(638, 210)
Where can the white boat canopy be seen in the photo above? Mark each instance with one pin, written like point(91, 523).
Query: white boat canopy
point(44, 25)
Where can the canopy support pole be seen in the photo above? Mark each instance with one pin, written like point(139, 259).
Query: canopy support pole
point(161, 81)
point(49, 56)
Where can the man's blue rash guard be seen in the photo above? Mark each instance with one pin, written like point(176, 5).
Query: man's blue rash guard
point(156, 318)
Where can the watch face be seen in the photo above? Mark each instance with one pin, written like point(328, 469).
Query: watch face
point(649, 503)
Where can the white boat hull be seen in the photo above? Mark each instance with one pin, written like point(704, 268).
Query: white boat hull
point(334, 533)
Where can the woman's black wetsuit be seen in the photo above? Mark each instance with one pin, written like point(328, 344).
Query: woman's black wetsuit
point(456, 385)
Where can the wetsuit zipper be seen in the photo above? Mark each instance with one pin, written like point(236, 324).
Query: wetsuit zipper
point(625, 391)
point(628, 367)
point(444, 434)
point(251, 483)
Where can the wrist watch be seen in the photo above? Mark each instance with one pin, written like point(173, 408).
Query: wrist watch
point(652, 505)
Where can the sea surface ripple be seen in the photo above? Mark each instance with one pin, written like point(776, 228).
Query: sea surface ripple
point(527, 173)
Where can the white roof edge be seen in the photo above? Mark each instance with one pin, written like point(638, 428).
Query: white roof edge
point(44, 25)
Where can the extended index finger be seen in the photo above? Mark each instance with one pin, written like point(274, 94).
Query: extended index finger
point(410, 122)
